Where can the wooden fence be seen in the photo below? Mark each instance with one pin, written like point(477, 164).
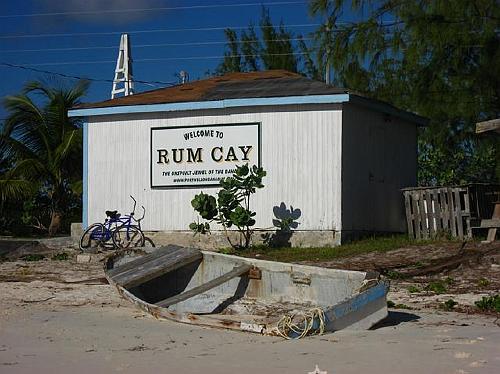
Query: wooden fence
point(431, 212)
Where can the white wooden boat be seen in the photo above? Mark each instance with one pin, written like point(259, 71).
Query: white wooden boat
point(213, 289)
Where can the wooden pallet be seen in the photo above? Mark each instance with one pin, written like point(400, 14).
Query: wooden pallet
point(156, 264)
point(434, 211)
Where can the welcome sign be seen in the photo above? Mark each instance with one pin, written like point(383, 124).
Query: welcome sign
point(193, 156)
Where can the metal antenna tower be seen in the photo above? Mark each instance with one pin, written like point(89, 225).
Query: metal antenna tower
point(123, 71)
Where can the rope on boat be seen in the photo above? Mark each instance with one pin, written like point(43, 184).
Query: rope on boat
point(313, 322)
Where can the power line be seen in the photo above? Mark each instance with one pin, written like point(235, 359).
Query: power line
point(219, 28)
point(56, 63)
point(142, 45)
point(24, 67)
point(190, 7)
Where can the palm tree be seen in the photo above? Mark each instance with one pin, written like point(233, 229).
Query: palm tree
point(44, 146)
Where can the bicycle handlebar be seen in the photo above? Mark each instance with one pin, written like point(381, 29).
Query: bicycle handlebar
point(135, 203)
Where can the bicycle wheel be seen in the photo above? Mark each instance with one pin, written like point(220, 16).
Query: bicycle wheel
point(92, 238)
point(148, 243)
point(128, 237)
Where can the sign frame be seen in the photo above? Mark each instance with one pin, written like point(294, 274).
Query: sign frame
point(193, 186)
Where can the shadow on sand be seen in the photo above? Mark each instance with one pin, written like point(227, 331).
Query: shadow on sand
point(394, 319)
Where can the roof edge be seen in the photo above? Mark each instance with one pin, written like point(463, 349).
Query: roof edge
point(373, 104)
point(381, 106)
point(217, 104)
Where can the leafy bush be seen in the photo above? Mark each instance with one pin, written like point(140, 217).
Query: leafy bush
point(392, 304)
point(436, 287)
point(483, 282)
point(232, 206)
point(392, 274)
point(63, 256)
point(449, 305)
point(413, 289)
point(33, 257)
point(489, 303)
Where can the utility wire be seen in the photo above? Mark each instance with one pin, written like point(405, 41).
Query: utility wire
point(143, 45)
point(190, 7)
point(55, 63)
point(24, 67)
point(76, 34)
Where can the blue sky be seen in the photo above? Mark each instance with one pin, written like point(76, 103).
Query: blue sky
point(26, 39)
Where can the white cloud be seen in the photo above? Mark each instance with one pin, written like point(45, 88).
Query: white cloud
point(100, 7)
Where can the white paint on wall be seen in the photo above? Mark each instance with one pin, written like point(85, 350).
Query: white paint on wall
point(301, 152)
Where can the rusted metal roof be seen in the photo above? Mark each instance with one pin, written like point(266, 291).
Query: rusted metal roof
point(271, 83)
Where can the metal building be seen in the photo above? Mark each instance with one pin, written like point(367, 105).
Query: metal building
point(337, 156)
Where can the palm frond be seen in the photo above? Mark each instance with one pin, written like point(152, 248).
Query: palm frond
point(77, 187)
point(66, 146)
point(30, 169)
point(16, 189)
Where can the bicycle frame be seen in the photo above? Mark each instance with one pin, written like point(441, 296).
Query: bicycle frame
point(118, 222)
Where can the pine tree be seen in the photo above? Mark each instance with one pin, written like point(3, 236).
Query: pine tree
point(438, 58)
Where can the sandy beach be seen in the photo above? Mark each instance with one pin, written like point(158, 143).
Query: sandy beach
point(60, 317)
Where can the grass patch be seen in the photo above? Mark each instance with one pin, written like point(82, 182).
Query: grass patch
point(33, 257)
point(63, 256)
point(392, 304)
point(449, 281)
point(437, 287)
point(294, 254)
point(489, 303)
point(483, 282)
point(448, 305)
point(413, 289)
point(392, 274)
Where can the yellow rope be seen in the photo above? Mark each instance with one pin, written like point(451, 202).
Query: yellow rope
point(286, 325)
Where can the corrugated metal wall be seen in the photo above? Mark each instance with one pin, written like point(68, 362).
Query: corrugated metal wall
point(301, 151)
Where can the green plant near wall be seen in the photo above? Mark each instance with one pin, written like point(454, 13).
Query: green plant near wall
point(231, 208)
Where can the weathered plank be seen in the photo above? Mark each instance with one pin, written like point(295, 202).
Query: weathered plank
point(423, 215)
point(236, 272)
point(431, 214)
point(458, 212)
point(158, 266)
point(491, 125)
point(409, 215)
point(451, 207)
point(467, 214)
point(445, 213)
point(490, 223)
point(495, 218)
point(162, 251)
point(416, 215)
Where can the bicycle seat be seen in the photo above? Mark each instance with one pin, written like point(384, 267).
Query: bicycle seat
point(113, 214)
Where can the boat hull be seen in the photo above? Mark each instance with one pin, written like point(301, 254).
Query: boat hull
point(257, 301)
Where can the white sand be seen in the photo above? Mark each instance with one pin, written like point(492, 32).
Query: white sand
point(57, 327)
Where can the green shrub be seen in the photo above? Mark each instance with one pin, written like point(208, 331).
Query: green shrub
point(413, 289)
point(483, 282)
point(489, 303)
point(438, 287)
point(392, 304)
point(232, 206)
point(63, 256)
point(392, 274)
point(449, 281)
point(449, 305)
point(33, 257)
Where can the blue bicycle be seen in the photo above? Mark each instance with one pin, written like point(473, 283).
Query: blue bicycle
point(117, 231)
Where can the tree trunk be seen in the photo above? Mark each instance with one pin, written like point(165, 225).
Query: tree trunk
point(55, 223)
